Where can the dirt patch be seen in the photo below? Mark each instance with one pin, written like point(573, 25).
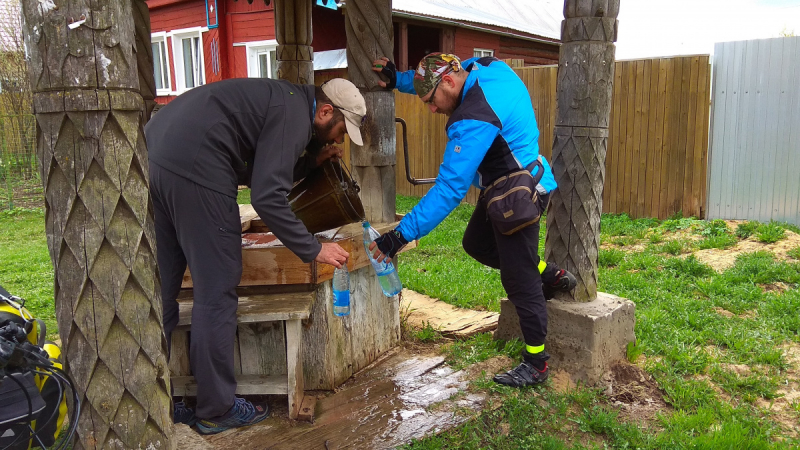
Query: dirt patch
point(722, 259)
point(562, 381)
point(779, 287)
point(635, 393)
point(742, 370)
point(723, 312)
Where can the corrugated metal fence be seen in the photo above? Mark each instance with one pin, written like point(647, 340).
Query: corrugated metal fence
point(658, 137)
point(755, 138)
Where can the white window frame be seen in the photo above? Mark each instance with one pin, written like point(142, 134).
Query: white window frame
point(482, 52)
point(253, 50)
point(161, 38)
point(177, 53)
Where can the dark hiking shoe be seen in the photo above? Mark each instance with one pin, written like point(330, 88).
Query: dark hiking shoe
point(241, 414)
point(523, 375)
point(558, 281)
point(182, 414)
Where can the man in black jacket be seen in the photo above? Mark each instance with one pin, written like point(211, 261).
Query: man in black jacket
point(202, 146)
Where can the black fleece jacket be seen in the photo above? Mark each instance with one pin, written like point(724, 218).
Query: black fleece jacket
point(249, 131)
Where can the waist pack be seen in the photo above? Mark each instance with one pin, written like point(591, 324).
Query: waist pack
point(516, 200)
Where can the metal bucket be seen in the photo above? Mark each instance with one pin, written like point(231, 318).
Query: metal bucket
point(327, 198)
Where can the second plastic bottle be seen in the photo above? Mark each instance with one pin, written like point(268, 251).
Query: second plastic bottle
point(387, 275)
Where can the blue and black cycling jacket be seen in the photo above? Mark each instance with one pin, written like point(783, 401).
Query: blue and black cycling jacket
point(491, 133)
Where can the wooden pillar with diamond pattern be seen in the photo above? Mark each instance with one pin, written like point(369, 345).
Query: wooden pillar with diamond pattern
point(294, 35)
point(370, 35)
point(585, 77)
point(90, 119)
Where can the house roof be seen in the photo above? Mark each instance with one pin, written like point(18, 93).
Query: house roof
point(537, 17)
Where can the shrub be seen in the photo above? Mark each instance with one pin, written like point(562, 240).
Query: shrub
point(770, 233)
point(746, 229)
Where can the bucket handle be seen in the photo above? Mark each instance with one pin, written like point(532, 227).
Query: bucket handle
point(355, 185)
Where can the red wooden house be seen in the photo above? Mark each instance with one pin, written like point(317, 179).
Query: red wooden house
point(201, 41)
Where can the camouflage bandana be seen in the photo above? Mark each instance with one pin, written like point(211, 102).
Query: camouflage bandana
point(431, 69)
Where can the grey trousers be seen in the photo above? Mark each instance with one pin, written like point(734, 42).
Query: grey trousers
point(201, 227)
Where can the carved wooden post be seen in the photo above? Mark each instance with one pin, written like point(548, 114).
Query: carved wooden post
point(293, 33)
point(585, 76)
point(368, 24)
point(90, 142)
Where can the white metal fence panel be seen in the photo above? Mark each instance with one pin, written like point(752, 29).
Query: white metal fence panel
point(754, 156)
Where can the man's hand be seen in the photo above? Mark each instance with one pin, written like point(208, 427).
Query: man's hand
point(328, 152)
point(387, 245)
point(332, 254)
point(386, 68)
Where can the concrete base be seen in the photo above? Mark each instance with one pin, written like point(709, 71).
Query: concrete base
point(584, 339)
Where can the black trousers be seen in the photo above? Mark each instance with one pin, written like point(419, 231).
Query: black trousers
point(201, 227)
point(517, 257)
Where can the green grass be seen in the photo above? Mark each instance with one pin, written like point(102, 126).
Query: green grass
point(686, 344)
point(25, 267)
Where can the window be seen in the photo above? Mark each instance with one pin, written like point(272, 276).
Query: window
point(161, 63)
point(262, 59)
point(188, 51)
point(481, 52)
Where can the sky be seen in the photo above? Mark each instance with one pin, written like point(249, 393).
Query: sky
point(685, 27)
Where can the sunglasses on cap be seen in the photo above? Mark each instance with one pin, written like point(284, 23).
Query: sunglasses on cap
point(363, 118)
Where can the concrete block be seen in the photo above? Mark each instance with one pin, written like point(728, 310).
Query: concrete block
point(584, 339)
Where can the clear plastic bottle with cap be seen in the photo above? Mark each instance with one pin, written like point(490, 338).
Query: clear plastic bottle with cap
point(341, 291)
point(387, 275)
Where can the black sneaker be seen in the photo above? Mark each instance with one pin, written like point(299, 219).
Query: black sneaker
point(182, 414)
point(558, 281)
point(523, 375)
point(241, 414)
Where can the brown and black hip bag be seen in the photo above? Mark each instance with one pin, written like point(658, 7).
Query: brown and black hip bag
point(516, 200)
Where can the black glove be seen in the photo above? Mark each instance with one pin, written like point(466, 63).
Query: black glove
point(390, 243)
point(390, 71)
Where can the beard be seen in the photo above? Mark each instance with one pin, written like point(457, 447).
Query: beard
point(323, 134)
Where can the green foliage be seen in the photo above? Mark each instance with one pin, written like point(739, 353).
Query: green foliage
point(480, 347)
point(770, 233)
point(714, 228)
point(674, 247)
point(746, 229)
point(610, 258)
point(794, 253)
point(427, 333)
point(243, 198)
point(623, 225)
point(722, 241)
point(677, 224)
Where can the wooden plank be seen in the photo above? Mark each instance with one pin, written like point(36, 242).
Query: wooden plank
point(179, 354)
point(700, 163)
point(658, 138)
point(636, 153)
point(263, 348)
point(260, 308)
point(294, 365)
point(669, 139)
point(615, 133)
point(651, 143)
point(245, 385)
point(643, 86)
point(307, 408)
point(687, 202)
point(630, 107)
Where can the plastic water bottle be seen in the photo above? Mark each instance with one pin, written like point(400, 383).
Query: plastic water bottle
point(387, 275)
point(341, 291)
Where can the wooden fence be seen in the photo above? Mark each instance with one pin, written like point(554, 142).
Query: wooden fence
point(658, 135)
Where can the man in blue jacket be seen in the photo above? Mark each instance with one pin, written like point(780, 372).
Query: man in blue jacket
point(492, 132)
